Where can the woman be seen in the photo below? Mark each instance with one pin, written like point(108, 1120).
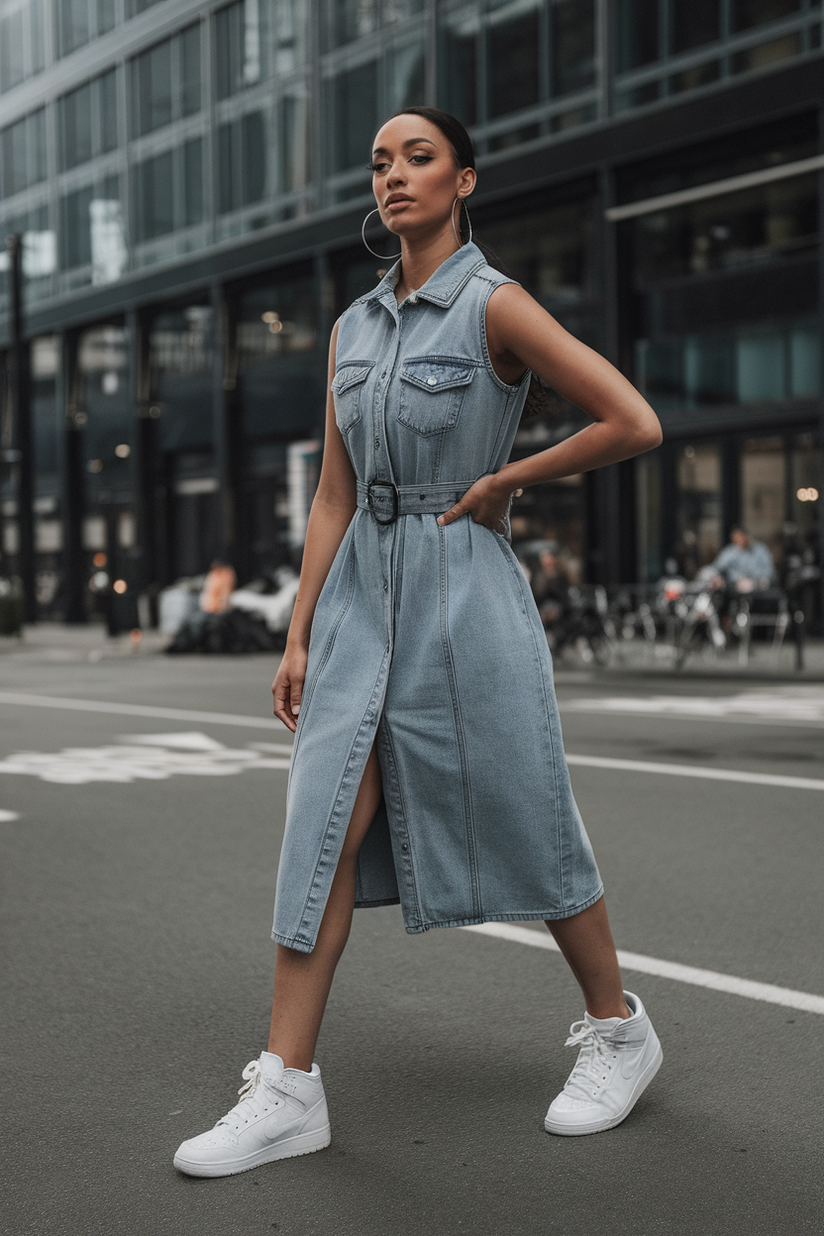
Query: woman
point(428, 766)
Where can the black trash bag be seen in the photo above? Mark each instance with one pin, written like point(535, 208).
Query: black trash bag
point(235, 631)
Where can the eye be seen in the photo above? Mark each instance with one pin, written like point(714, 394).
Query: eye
point(421, 159)
point(376, 167)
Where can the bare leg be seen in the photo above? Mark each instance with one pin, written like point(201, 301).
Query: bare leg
point(303, 980)
point(586, 942)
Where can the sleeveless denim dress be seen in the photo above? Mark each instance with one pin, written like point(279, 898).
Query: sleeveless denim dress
point(427, 642)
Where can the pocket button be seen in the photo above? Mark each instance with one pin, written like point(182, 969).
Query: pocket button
point(431, 381)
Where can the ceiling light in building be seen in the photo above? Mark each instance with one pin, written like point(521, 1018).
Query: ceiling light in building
point(95, 465)
point(273, 321)
point(120, 586)
point(807, 494)
point(123, 450)
point(99, 560)
point(110, 383)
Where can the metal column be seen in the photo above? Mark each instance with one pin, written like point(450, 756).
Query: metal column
point(20, 407)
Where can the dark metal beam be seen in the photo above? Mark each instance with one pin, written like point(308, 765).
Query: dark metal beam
point(20, 407)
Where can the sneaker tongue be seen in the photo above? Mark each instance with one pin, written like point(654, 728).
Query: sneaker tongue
point(604, 1024)
point(271, 1065)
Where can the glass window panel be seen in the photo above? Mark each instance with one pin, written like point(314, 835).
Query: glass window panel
point(152, 88)
point(759, 362)
point(513, 64)
point(572, 24)
point(709, 369)
point(36, 137)
point(181, 359)
point(345, 20)
point(106, 15)
point(769, 221)
point(293, 146)
point(11, 48)
point(228, 177)
point(238, 47)
point(75, 238)
point(354, 120)
point(253, 157)
point(193, 182)
point(405, 78)
point(190, 71)
point(748, 13)
point(280, 359)
point(805, 361)
point(637, 24)
point(459, 65)
point(108, 110)
point(698, 510)
point(765, 54)
point(15, 169)
point(155, 196)
point(289, 22)
point(73, 24)
point(694, 22)
point(109, 255)
point(37, 34)
point(661, 373)
point(763, 481)
point(75, 112)
point(691, 79)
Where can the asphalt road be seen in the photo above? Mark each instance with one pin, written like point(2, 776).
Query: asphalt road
point(137, 969)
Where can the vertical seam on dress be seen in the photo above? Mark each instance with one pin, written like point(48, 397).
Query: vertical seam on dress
point(324, 849)
point(385, 738)
point(449, 666)
point(503, 547)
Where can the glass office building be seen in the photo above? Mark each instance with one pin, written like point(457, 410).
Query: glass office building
point(190, 180)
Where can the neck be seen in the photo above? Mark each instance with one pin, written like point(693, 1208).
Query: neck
point(421, 257)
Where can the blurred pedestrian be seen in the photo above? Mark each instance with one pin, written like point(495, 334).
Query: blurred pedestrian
point(218, 587)
point(428, 766)
point(744, 565)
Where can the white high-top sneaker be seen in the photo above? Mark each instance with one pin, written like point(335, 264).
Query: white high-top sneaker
point(617, 1061)
point(281, 1113)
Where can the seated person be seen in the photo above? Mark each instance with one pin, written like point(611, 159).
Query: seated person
point(742, 566)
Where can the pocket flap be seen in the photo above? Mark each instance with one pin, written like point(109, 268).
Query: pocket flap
point(437, 375)
point(350, 374)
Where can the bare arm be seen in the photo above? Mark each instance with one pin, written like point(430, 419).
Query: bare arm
point(521, 335)
point(332, 510)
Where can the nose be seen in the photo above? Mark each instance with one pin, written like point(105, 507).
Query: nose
point(397, 173)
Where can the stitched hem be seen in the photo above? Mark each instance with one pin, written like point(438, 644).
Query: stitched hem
point(514, 916)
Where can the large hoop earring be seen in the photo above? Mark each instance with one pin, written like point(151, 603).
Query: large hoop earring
point(461, 203)
point(384, 257)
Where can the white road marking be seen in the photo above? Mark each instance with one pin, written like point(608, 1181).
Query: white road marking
point(766, 992)
point(7, 816)
point(695, 770)
point(786, 705)
point(139, 710)
point(140, 757)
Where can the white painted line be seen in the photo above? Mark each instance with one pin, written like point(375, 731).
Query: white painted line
point(766, 992)
point(7, 816)
point(696, 770)
point(140, 710)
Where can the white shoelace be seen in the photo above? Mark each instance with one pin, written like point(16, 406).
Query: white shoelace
point(595, 1062)
point(240, 1114)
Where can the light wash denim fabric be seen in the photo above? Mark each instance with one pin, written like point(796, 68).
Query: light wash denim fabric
point(427, 641)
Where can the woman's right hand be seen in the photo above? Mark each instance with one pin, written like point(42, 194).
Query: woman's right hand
point(287, 688)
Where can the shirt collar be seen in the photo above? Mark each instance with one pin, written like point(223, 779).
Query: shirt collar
point(442, 286)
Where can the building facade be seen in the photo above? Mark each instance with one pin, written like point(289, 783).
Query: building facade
point(190, 180)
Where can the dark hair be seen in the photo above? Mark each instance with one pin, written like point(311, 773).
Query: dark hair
point(464, 152)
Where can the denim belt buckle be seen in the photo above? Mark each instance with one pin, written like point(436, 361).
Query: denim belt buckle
point(388, 485)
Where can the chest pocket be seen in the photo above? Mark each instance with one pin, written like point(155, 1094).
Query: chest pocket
point(347, 391)
point(432, 392)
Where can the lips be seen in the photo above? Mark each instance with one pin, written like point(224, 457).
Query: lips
point(398, 201)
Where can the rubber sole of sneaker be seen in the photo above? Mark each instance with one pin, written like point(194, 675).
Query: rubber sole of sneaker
point(290, 1148)
point(600, 1126)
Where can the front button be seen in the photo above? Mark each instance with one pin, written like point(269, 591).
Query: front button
point(385, 585)
point(431, 381)
point(377, 443)
point(405, 847)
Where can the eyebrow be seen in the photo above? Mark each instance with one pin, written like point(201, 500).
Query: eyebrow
point(413, 141)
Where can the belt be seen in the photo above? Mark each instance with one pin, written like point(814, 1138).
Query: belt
point(388, 501)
